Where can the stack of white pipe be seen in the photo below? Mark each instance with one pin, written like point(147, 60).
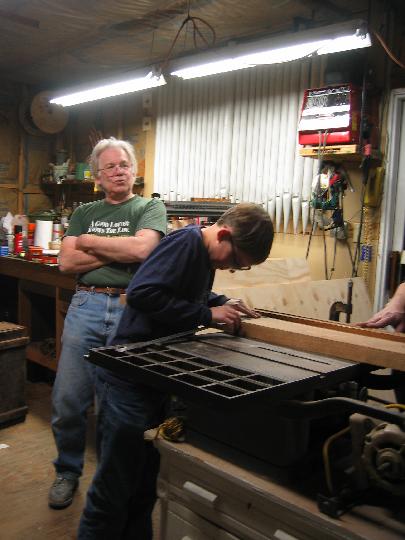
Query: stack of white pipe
point(235, 136)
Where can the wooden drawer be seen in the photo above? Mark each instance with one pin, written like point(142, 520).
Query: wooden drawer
point(183, 524)
point(244, 512)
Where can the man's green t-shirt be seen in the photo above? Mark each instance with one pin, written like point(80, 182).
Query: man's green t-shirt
point(124, 219)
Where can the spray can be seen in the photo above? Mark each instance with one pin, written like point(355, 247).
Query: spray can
point(18, 239)
point(57, 231)
point(30, 234)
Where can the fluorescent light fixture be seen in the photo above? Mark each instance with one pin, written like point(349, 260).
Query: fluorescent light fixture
point(345, 43)
point(119, 88)
point(272, 56)
point(330, 39)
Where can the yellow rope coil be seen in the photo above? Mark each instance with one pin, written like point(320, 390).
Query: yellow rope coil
point(172, 429)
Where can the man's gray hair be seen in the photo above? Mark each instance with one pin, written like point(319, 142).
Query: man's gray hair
point(112, 142)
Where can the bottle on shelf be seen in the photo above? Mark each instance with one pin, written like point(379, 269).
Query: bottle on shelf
point(30, 234)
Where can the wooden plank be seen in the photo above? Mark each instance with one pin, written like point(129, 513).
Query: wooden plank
point(9, 186)
point(32, 189)
point(350, 152)
point(290, 270)
point(329, 342)
point(15, 342)
point(306, 299)
point(39, 273)
point(342, 327)
point(10, 330)
point(313, 151)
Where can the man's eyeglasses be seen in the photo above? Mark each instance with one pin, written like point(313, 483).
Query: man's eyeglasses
point(110, 168)
point(235, 262)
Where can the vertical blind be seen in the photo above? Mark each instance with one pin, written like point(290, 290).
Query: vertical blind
point(235, 136)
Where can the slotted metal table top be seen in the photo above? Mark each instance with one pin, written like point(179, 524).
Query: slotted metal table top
point(223, 369)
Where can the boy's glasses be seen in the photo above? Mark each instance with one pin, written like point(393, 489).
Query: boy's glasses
point(110, 168)
point(235, 262)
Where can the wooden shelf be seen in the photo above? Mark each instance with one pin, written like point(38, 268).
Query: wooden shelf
point(71, 191)
point(34, 354)
point(342, 151)
point(42, 295)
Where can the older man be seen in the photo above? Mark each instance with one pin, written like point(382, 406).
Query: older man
point(104, 245)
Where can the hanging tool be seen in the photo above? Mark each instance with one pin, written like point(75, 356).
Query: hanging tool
point(339, 307)
point(328, 192)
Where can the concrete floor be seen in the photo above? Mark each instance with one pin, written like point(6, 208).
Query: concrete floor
point(26, 473)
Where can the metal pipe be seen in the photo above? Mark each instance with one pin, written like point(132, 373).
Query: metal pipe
point(337, 405)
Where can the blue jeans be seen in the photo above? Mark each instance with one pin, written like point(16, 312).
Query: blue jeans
point(91, 320)
point(121, 497)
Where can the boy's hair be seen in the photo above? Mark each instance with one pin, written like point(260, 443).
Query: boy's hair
point(252, 230)
point(112, 142)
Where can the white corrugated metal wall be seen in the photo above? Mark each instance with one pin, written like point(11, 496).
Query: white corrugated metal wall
point(235, 135)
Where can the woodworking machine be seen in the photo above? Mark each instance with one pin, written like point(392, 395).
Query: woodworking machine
point(283, 408)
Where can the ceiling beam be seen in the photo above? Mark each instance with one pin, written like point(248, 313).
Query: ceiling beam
point(19, 19)
point(327, 6)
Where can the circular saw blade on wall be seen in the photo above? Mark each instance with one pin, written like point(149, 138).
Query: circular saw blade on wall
point(39, 117)
point(48, 117)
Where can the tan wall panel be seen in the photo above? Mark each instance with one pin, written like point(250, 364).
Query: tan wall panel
point(8, 201)
point(37, 203)
point(290, 245)
point(39, 155)
point(9, 146)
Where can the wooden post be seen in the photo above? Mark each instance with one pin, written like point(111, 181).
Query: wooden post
point(21, 175)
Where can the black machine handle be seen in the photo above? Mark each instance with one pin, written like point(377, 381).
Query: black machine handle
point(337, 405)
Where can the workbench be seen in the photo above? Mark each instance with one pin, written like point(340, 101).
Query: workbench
point(42, 295)
point(204, 496)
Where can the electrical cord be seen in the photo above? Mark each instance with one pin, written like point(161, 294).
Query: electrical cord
point(326, 460)
point(356, 261)
point(388, 50)
point(321, 151)
point(395, 406)
point(197, 23)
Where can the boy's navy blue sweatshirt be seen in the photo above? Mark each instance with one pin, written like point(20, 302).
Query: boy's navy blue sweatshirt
point(171, 291)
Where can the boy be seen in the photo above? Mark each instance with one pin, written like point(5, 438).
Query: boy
point(170, 293)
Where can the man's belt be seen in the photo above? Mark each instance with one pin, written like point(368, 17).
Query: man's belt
point(111, 291)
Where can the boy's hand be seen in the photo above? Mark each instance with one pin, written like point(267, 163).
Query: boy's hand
point(227, 317)
point(242, 307)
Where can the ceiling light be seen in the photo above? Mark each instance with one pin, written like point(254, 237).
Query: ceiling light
point(330, 39)
point(126, 86)
point(345, 43)
point(272, 56)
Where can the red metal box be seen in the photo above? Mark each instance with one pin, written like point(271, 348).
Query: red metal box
point(330, 115)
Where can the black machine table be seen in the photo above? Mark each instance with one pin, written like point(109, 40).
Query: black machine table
point(223, 370)
point(229, 385)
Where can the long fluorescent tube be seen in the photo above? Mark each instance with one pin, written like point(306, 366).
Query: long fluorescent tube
point(345, 43)
point(109, 90)
point(326, 40)
point(272, 56)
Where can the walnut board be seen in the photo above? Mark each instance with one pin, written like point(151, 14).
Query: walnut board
point(364, 345)
point(339, 326)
